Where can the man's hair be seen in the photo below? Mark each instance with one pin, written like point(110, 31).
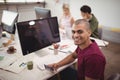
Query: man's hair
point(85, 9)
point(83, 21)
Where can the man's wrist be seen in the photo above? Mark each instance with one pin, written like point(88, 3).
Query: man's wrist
point(58, 65)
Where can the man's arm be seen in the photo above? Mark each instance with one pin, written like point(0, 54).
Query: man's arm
point(72, 21)
point(70, 58)
point(94, 67)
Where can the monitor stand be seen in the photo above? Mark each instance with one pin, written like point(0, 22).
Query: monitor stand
point(41, 52)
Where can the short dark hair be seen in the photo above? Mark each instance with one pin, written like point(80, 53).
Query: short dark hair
point(85, 9)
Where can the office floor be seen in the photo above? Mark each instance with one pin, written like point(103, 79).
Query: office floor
point(112, 54)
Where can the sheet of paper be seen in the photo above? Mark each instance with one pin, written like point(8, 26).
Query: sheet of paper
point(14, 63)
point(17, 66)
point(100, 42)
point(66, 46)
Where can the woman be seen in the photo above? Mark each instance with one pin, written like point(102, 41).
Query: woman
point(66, 22)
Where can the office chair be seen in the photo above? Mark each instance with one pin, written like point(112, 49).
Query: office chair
point(114, 77)
point(100, 32)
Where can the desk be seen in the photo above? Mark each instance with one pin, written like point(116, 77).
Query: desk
point(43, 56)
point(35, 73)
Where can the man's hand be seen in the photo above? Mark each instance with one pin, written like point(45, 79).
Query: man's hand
point(55, 66)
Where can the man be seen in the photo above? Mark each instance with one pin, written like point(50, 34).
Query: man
point(91, 62)
point(86, 14)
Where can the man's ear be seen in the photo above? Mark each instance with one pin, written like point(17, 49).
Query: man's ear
point(89, 32)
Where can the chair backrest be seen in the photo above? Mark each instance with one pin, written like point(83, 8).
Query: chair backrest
point(114, 77)
point(100, 32)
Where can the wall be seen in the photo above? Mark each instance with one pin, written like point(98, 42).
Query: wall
point(106, 11)
point(26, 11)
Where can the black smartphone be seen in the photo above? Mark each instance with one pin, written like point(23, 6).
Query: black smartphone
point(48, 68)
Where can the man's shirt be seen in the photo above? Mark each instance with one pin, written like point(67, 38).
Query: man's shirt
point(91, 62)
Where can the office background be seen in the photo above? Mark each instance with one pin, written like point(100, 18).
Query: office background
point(106, 11)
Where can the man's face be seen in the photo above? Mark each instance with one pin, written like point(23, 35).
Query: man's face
point(80, 34)
point(84, 15)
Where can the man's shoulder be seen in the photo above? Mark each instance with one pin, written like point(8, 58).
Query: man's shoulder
point(94, 18)
point(95, 58)
point(93, 48)
point(94, 51)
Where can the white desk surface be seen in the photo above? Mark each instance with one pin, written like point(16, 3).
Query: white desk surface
point(41, 57)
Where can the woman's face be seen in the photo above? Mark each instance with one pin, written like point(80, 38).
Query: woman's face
point(66, 11)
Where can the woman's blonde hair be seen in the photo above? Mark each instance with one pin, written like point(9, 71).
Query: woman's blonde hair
point(65, 6)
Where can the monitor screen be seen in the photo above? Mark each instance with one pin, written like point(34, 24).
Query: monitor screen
point(42, 12)
point(37, 34)
point(8, 21)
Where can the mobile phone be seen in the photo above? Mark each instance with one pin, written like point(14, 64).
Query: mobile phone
point(48, 68)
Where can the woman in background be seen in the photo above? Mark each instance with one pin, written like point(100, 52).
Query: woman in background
point(66, 22)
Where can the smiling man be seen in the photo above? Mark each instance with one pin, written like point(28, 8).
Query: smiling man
point(91, 61)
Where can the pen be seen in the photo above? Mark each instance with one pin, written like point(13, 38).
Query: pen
point(11, 63)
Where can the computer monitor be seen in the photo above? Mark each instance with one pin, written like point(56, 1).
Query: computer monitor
point(8, 21)
point(0, 36)
point(37, 34)
point(42, 12)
